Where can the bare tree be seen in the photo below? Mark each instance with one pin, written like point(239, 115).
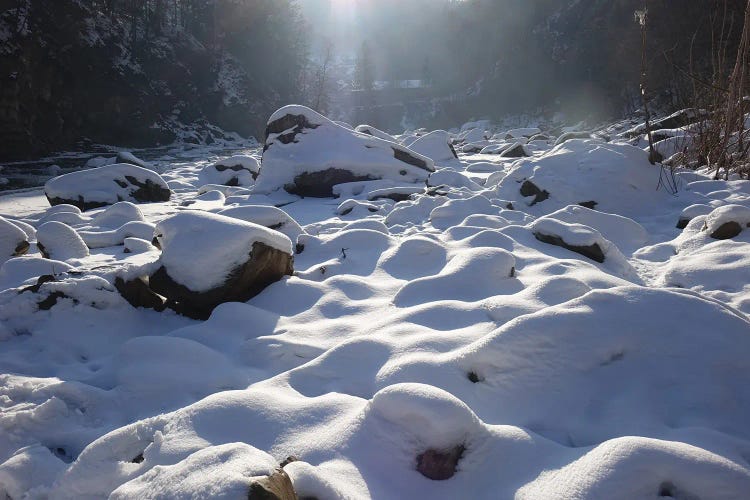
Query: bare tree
point(320, 85)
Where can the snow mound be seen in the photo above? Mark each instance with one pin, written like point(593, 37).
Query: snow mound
point(435, 145)
point(115, 237)
point(17, 271)
point(97, 187)
point(615, 178)
point(59, 241)
point(270, 217)
point(13, 240)
point(625, 233)
point(200, 250)
point(374, 132)
point(117, 215)
point(472, 275)
point(727, 221)
point(220, 472)
point(305, 153)
point(237, 170)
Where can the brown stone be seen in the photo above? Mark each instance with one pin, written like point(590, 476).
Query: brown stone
point(439, 465)
point(138, 294)
point(264, 266)
point(320, 184)
point(727, 231)
point(277, 486)
point(528, 188)
point(593, 252)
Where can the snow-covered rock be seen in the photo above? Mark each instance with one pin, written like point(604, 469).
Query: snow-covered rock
point(16, 271)
point(586, 172)
point(727, 222)
point(59, 241)
point(436, 145)
point(270, 217)
point(237, 170)
point(307, 154)
point(13, 240)
point(101, 186)
point(209, 259)
point(370, 130)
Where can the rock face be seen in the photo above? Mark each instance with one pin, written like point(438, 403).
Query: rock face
point(515, 151)
point(307, 154)
point(528, 188)
point(102, 186)
point(439, 465)
point(277, 486)
point(593, 252)
point(210, 259)
point(726, 231)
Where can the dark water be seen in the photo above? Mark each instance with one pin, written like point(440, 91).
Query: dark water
point(34, 173)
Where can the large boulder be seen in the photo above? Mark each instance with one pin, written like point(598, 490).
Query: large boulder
point(98, 187)
point(209, 259)
point(307, 154)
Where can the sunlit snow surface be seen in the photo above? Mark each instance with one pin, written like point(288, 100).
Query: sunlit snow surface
point(432, 323)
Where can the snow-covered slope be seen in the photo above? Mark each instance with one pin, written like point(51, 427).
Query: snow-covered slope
point(477, 335)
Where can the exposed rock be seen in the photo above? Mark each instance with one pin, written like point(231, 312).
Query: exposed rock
point(264, 266)
point(277, 486)
point(320, 184)
point(439, 465)
point(138, 294)
point(727, 231)
point(593, 252)
point(528, 188)
point(589, 204)
point(682, 222)
point(515, 151)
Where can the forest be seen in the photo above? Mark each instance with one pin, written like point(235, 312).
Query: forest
point(139, 71)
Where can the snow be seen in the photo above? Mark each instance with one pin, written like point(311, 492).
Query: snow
point(728, 213)
point(11, 236)
point(239, 170)
point(375, 132)
point(580, 170)
point(433, 324)
point(61, 242)
point(200, 250)
point(325, 145)
point(101, 184)
point(435, 145)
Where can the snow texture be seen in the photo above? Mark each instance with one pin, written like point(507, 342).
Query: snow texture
point(455, 325)
point(200, 250)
